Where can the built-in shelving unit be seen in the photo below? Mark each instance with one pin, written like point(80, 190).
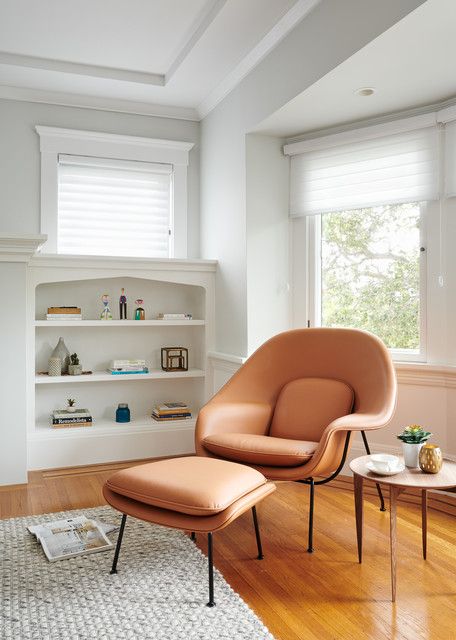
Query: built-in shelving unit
point(166, 287)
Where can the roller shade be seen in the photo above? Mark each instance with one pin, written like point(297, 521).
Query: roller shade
point(384, 170)
point(113, 207)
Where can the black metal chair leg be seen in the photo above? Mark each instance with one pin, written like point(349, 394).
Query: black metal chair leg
point(257, 533)
point(119, 542)
point(311, 513)
point(211, 602)
point(193, 536)
point(379, 489)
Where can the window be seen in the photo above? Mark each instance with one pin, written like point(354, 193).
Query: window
point(113, 207)
point(371, 273)
point(108, 194)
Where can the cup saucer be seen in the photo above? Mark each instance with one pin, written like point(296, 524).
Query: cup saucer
point(397, 469)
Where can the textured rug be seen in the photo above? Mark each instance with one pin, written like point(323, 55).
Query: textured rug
point(160, 591)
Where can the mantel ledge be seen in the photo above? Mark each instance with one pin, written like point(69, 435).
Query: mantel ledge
point(17, 247)
point(426, 374)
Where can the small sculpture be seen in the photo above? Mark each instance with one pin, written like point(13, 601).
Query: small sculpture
point(174, 359)
point(74, 368)
point(123, 305)
point(140, 314)
point(106, 313)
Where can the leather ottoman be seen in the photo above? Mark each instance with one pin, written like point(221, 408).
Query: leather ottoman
point(196, 494)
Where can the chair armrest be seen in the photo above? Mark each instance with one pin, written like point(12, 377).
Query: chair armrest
point(360, 422)
point(232, 417)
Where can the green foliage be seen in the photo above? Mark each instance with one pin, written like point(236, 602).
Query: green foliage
point(370, 272)
point(71, 402)
point(414, 434)
point(74, 358)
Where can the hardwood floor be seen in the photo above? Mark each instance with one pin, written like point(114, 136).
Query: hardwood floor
point(322, 596)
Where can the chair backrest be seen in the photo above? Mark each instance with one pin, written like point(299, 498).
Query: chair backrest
point(306, 406)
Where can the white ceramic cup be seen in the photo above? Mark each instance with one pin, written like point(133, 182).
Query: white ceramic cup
point(384, 462)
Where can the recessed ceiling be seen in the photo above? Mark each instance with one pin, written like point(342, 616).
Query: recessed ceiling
point(412, 64)
point(161, 52)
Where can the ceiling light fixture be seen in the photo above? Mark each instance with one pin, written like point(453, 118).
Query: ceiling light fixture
point(365, 91)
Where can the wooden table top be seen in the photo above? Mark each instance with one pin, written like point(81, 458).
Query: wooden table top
point(445, 479)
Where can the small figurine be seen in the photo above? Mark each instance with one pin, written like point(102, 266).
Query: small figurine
point(106, 313)
point(123, 305)
point(140, 314)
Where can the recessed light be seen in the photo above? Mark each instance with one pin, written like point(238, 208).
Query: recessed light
point(365, 91)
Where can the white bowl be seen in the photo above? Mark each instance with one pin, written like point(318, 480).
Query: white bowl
point(384, 457)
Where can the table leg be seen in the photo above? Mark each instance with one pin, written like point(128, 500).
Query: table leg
point(424, 521)
point(358, 481)
point(394, 492)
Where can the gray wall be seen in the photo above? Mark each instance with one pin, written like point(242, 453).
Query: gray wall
point(20, 156)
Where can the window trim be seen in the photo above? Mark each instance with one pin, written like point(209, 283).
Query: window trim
point(55, 141)
point(313, 242)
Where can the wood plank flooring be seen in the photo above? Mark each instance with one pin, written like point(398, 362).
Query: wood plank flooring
point(326, 595)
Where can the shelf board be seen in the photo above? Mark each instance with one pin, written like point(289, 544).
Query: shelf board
point(102, 427)
point(104, 376)
point(118, 323)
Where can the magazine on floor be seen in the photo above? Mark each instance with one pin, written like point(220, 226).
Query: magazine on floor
point(72, 537)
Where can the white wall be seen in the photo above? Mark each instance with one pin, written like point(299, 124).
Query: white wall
point(268, 276)
point(329, 35)
point(20, 156)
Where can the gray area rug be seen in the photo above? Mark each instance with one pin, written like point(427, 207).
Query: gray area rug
point(160, 591)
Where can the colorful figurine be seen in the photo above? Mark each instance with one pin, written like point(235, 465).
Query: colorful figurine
point(123, 305)
point(106, 313)
point(140, 314)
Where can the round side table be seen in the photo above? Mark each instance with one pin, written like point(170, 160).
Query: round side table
point(409, 478)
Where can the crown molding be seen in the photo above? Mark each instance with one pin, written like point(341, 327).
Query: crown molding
point(17, 247)
point(63, 99)
point(280, 30)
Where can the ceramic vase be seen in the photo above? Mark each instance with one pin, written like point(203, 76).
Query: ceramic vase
point(54, 366)
point(430, 458)
point(62, 352)
point(411, 454)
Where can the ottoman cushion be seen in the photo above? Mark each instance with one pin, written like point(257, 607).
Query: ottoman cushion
point(195, 485)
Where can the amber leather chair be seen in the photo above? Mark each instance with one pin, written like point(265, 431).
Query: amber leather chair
point(290, 409)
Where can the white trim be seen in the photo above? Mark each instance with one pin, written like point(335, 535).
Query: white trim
point(61, 261)
point(448, 114)
point(361, 134)
point(16, 247)
point(256, 55)
point(54, 141)
point(117, 105)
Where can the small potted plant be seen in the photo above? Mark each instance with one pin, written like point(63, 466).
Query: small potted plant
point(74, 368)
point(70, 405)
point(413, 437)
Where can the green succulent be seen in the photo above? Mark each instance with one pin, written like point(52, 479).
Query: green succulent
point(414, 434)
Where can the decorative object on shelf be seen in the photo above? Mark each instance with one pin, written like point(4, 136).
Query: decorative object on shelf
point(171, 411)
point(74, 368)
point(106, 313)
point(140, 314)
point(123, 305)
point(62, 352)
point(430, 458)
point(123, 413)
point(54, 366)
point(71, 408)
point(64, 313)
point(174, 316)
point(68, 418)
point(137, 365)
point(174, 359)
point(413, 437)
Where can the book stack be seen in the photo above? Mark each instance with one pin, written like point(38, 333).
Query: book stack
point(125, 367)
point(174, 316)
point(171, 411)
point(78, 418)
point(64, 313)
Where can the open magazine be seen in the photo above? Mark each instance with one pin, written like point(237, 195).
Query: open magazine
point(72, 537)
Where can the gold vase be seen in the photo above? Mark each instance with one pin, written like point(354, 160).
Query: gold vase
point(430, 458)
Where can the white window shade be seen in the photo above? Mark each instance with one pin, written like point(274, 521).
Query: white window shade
point(114, 207)
point(384, 170)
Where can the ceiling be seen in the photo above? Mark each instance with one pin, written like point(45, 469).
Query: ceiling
point(412, 64)
point(184, 53)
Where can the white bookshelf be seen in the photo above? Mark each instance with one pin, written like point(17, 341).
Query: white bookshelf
point(166, 286)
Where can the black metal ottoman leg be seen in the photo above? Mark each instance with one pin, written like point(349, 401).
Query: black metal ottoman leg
point(310, 548)
point(257, 534)
point(193, 536)
point(211, 602)
point(119, 542)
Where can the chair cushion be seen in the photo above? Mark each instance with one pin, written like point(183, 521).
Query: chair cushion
point(194, 485)
point(262, 450)
point(306, 406)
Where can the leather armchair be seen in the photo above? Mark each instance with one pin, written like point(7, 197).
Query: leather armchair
point(290, 409)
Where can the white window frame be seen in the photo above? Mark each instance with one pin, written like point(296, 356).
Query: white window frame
point(308, 275)
point(54, 141)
